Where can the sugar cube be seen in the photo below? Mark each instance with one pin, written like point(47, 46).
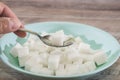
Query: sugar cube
point(84, 48)
point(72, 68)
point(42, 70)
point(60, 72)
point(57, 38)
point(23, 51)
point(31, 62)
point(72, 54)
point(90, 65)
point(83, 69)
point(53, 61)
point(14, 50)
point(36, 68)
point(100, 57)
point(22, 60)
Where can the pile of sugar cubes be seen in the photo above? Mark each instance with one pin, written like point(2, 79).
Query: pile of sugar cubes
point(78, 58)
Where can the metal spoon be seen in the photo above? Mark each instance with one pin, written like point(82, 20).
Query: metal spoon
point(45, 39)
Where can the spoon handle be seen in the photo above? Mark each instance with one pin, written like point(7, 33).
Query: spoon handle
point(26, 30)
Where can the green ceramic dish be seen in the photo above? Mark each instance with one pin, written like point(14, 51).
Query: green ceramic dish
point(93, 36)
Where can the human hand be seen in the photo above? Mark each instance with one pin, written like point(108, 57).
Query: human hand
point(9, 21)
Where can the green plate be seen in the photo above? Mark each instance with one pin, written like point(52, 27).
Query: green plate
point(98, 39)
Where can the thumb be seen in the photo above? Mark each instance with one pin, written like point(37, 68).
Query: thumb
point(8, 25)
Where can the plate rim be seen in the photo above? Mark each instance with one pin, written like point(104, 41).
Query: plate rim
point(50, 76)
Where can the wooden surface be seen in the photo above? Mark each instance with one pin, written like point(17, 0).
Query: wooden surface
point(103, 14)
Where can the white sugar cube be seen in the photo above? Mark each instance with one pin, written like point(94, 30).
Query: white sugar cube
point(60, 72)
point(31, 62)
point(90, 65)
point(28, 66)
point(23, 51)
point(44, 58)
point(26, 44)
point(75, 45)
point(33, 46)
point(22, 60)
point(57, 38)
point(72, 54)
point(46, 71)
point(53, 61)
point(44, 55)
point(36, 57)
point(64, 59)
point(31, 43)
point(68, 66)
point(42, 70)
point(37, 47)
point(42, 48)
point(78, 40)
point(66, 62)
point(79, 61)
point(100, 57)
point(14, 50)
point(36, 68)
point(33, 53)
point(83, 69)
point(86, 57)
point(85, 48)
point(61, 67)
point(72, 68)
point(50, 49)
point(56, 52)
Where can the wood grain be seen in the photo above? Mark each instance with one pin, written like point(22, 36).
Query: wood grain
point(102, 14)
point(68, 4)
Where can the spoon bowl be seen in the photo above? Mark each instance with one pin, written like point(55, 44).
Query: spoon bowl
point(45, 39)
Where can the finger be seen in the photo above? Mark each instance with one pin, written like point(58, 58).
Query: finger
point(5, 11)
point(8, 25)
point(17, 32)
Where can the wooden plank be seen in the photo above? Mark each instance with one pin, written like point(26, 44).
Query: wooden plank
point(102, 14)
point(89, 14)
point(68, 4)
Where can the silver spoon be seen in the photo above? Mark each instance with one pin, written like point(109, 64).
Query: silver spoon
point(45, 39)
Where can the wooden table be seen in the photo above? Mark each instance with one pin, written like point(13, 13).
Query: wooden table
point(102, 14)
